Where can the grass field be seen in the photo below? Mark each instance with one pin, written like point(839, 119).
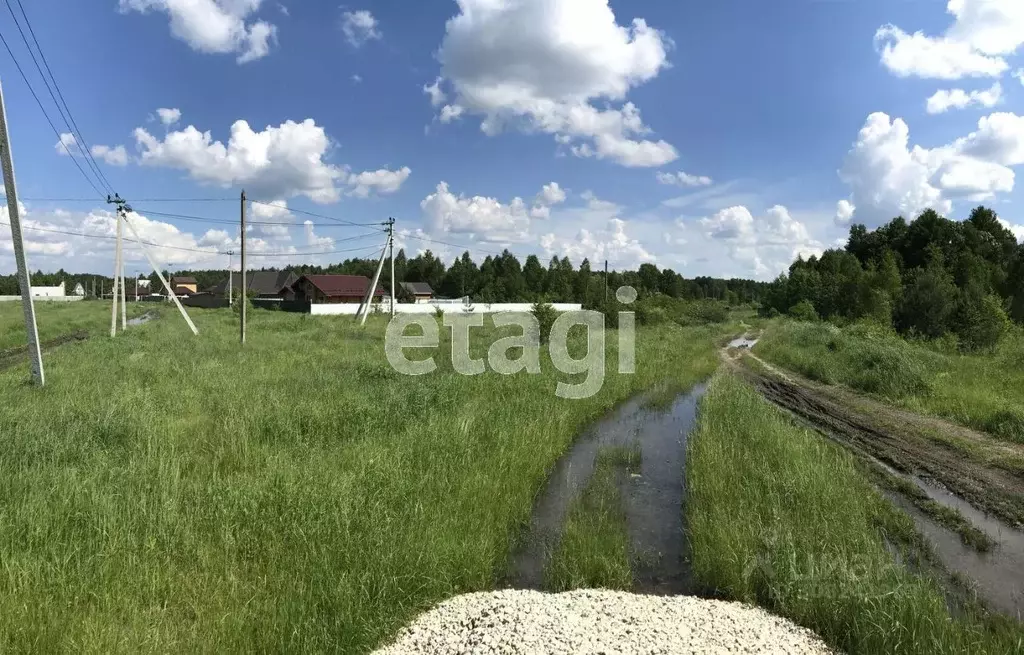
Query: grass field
point(173, 493)
point(781, 517)
point(985, 391)
point(55, 319)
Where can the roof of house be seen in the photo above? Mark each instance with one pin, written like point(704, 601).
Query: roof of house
point(175, 281)
point(418, 288)
point(341, 286)
point(263, 283)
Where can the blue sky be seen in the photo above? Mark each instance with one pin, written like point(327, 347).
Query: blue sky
point(712, 138)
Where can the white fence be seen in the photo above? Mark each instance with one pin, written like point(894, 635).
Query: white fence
point(42, 298)
point(430, 308)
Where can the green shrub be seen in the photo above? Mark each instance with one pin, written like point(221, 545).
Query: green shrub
point(979, 322)
point(703, 312)
point(804, 311)
point(546, 316)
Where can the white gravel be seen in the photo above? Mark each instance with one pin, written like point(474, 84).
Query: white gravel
point(598, 621)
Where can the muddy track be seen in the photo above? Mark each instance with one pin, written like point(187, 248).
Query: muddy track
point(901, 440)
point(11, 357)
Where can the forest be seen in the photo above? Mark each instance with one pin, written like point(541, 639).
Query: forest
point(497, 279)
point(931, 278)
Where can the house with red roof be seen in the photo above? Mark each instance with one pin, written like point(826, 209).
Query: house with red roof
point(327, 289)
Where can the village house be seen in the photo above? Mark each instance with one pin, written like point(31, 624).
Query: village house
point(333, 289)
point(421, 292)
point(261, 284)
point(187, 283)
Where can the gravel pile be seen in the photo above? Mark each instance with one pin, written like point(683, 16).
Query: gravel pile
point(598, 621)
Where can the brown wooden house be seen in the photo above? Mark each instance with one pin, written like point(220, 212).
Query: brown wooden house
point(327, 289)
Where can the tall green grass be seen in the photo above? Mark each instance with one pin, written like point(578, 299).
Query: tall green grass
point(780, 517)
point(594, 549)
point(55, 319)
point(984, 391)
point(172, 493)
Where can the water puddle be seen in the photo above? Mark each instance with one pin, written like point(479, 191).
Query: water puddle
point(997, 576)
point(142, 320)
point(743, 342)
point(653, 500)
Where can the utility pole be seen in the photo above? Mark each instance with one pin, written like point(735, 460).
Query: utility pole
point(124, 292)
point(230, 279)
point(24, 279)
point(373, 287)
point(606, 282)
point(124, 209)
point(391, 246)
point(244, 288)
point(117, 269)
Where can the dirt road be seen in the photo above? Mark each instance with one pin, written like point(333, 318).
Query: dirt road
point(954, 456)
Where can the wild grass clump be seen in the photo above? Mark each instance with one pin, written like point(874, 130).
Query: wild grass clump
point(593, 552)
point(780, 517)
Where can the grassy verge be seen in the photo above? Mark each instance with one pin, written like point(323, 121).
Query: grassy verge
point(166, 492)
point(594, 549)
point(56, 319)
point(985, 391)
point(781, 517)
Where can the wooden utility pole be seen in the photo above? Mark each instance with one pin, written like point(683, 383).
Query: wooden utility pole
point(391, 246)
point(24, 279)
point(242, 291)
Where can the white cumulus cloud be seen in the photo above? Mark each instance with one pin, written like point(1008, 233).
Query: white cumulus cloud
point(539, 65)
point(214, 26)
point(889, 178)
point(168, 116)
point(946, 99)
point(983, 34)
point(278, 162)
point(116, 156)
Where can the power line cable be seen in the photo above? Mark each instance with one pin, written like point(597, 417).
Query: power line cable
point(453, 245)
point(221, 221)
point(69, 120)
point(135, 200)
point(47, 117)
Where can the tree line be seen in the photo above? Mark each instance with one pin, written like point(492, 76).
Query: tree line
point(931, 278)
point(500, 278)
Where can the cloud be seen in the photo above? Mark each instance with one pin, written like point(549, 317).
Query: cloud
point(168, 116)
point(382, 181)
point(479, 217)
point(67, 144)
point(844, 213)
point(277, 162)
point(684, 179)
point(1019, 74)
point(611, 243)
point(551, 194)
point(359, 27)
point(437, 96)
point(214, 26)
point(888, 178)
point(946, 99)
point(983, 33)
point(357, 78)
point(116, 156)
point(538, 65)
point(765, 244)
